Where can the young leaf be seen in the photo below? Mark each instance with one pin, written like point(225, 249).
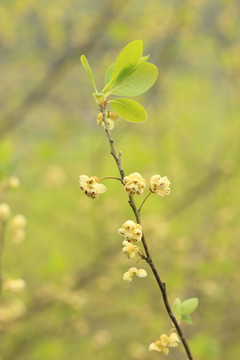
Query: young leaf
point(109, 70)
point(176, 308)
point(108, 74)
point(126, 61)
point(129, 109)
point(187, 319)
point(136, 83)
point(89, 71)
point(188, 306)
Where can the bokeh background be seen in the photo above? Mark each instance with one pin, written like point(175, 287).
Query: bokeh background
point(75, 304)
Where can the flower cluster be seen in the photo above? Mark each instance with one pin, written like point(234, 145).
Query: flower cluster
point(131, 231)
point(160, 185)
point(91, 186)
point(127, 276)
point(111, 117)
point(18, 224)
point(165, 342)
point(134, 184)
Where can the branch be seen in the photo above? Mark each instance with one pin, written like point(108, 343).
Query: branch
point(148, 257)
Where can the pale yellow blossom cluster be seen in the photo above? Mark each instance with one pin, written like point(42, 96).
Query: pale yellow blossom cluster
point(134, 184)
point(111, 118)
point(91, 186)
point(131, 231)
point(127, 276)
point(18, 224)
point(5, 212)
point(160, 185)
point(165, 342)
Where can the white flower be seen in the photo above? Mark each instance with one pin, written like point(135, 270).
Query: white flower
point(91, 186)
point(130, 250)
point(160, 185)
point(134, 184)
point(127, 276)
point(5, 212)
point(131, 231)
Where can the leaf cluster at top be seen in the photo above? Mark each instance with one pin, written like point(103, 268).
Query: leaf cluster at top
point(130, 75)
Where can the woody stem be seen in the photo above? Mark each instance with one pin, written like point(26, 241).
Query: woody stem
point(148, 257)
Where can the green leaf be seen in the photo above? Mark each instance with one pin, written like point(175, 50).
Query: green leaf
point(136, 83)
point(109, 70)
point(176, 308)
point(188, 306)
point(108, 74)
point(126, 61)
point(187, 319)
point(89, 71)
point(129, 109)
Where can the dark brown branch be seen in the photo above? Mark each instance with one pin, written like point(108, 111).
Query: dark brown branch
point(148, 257)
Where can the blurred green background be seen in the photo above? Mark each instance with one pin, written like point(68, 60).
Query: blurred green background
point(75, 305)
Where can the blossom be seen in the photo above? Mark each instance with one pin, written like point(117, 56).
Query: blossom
point(164, 343)
point(173, 340)
point(160, 185)
point(131, 231)
point(130, 250)
point(111, 117)
point(157, 346)
point(127, 276)
point(91, 186)
point(5, 212)
point(134, 184)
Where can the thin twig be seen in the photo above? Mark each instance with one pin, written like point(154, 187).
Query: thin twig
point(110, 177)
point(148, 257)
point(139, 210)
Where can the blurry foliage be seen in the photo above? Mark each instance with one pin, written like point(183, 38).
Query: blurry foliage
point(75, 304)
